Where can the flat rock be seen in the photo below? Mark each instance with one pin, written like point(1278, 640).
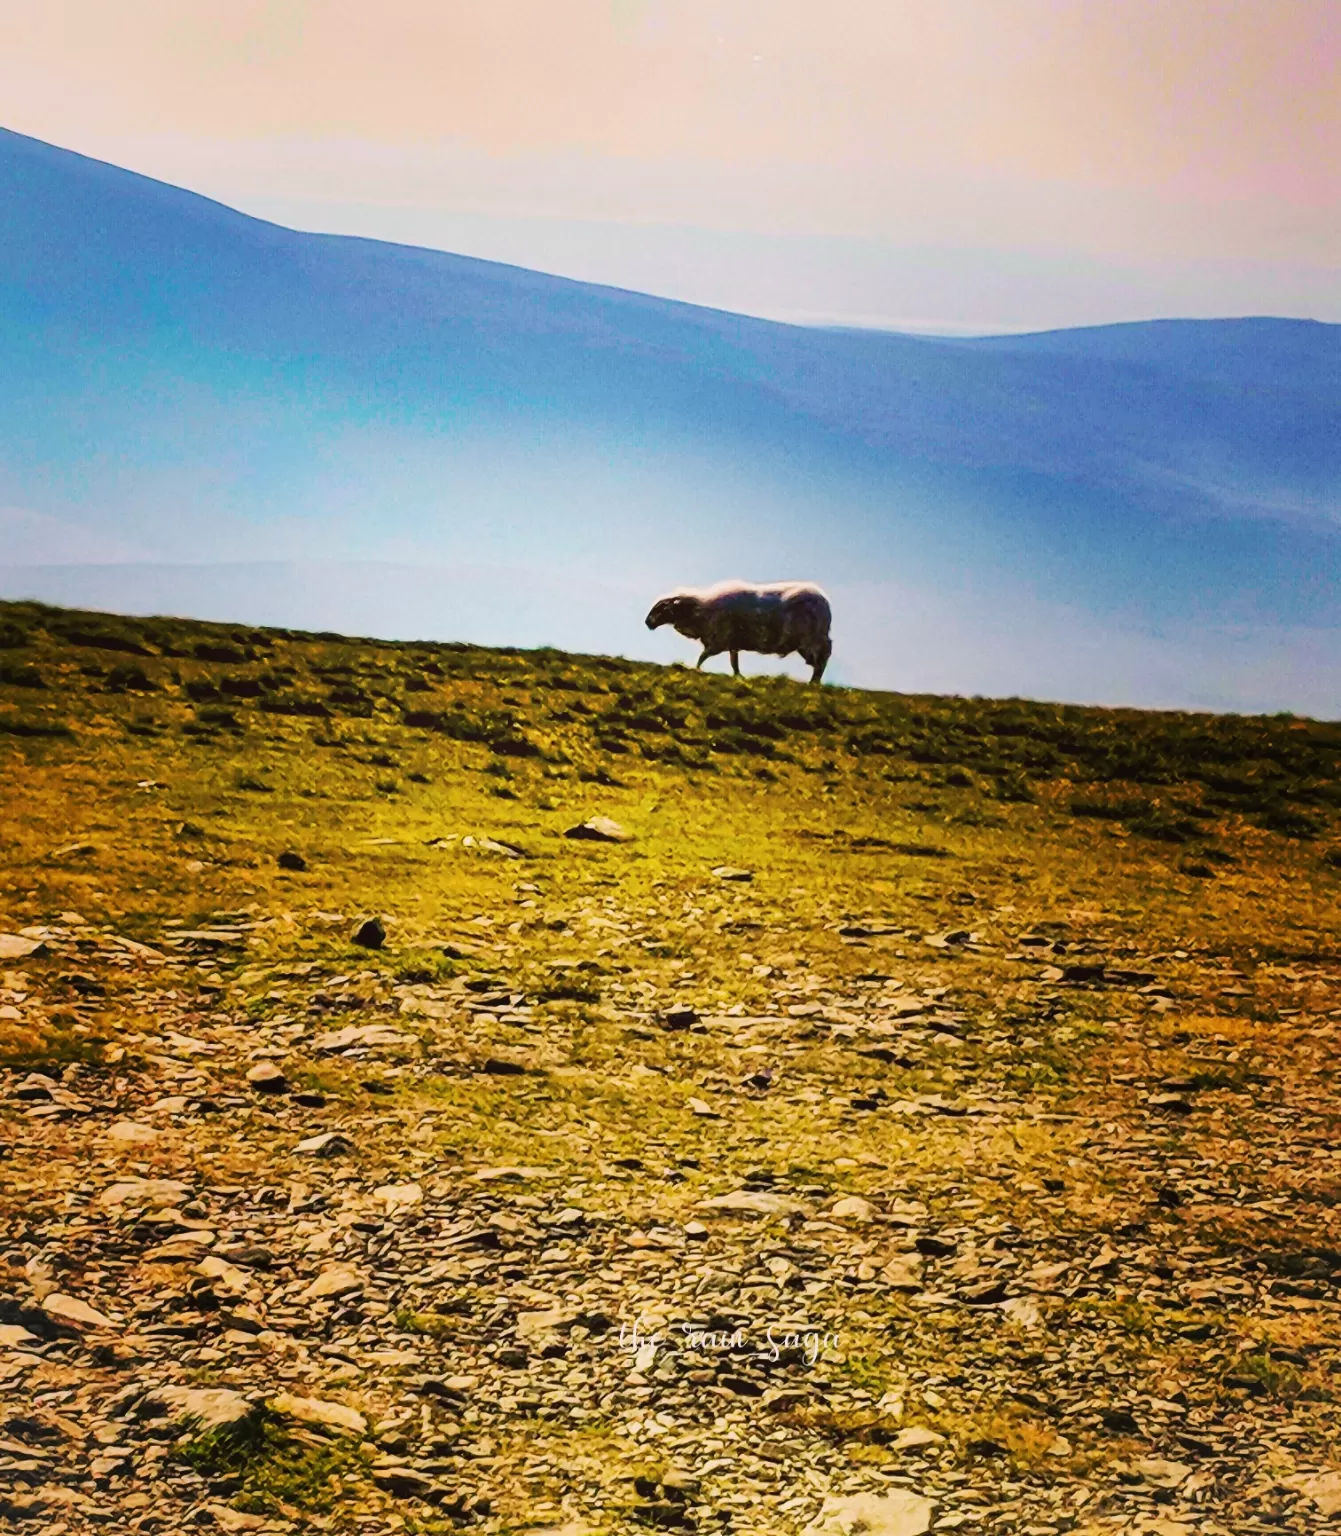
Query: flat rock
point(135, 948)
point(324, 1144)
point(69, 1309)
point(312, 1410)
point(183, 1248)
point(512, 1173)
point(903, 1272)
point(339, 1280)
point(492, 845)
point(732, 872)
point(210, 1407)
point(131, 1132)
point(229, 1519)
point(703, 1110)
point(13, 946)
point(900, 1513)
point(915, 1438)
point(14, 1337)
point(360, 1035)
point(227, 1277)
point(1046, 1277)
point(600, 829)
point(532, 1324)
point(1171, 1103)
point(1322, 1488)
point(250, 1254)
point(1160, 1473)
point(448, 1389)
point(852, 1208)
point(266, 1077)
point(159, 1192)
point(752, 1202)
point(406, 1483)
point(399, 1197)
point(986, 1293)
point(1023, 1311)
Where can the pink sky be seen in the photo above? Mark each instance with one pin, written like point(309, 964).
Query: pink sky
point(1136, 131)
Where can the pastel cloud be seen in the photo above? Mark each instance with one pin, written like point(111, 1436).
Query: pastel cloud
point(1210, 99)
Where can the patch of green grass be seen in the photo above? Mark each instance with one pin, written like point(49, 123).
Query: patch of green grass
point(1147, 818)
point(128, 678)
point(432, 1325)
point(1290, 822)
point(275, 1466)
point(49, 1050)
point(1258, 1370)
point(17, 675)
point(568, 991)
point(11, 725)
point(426, 966)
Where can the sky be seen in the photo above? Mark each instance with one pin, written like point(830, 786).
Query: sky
point(956, 165)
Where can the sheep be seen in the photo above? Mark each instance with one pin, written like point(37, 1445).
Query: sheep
point(735, 616)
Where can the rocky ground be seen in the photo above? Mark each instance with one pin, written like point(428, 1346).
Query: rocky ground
point(594, 1190)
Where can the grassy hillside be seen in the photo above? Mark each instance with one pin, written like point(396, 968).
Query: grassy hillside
point(1005, 1030)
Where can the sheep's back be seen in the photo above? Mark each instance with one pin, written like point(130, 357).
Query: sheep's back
point(775, 618)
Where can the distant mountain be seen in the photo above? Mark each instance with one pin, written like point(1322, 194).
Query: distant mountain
point(183, 384)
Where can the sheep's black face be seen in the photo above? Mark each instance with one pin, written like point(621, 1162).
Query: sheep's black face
point(669, 610)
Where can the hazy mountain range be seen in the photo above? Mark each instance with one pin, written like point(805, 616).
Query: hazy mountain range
point(208, 413)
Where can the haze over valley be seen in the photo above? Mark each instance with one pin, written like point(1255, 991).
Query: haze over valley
point(218, 416)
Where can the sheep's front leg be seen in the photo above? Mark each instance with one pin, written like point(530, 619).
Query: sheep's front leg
point(706, 656)
point(735, 662)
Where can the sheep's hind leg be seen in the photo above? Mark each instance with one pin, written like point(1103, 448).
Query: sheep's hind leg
point(735, 662)
point(818, 661)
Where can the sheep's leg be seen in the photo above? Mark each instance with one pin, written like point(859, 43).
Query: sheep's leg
point(818, 662)
point(706, 656)
point(735, 662)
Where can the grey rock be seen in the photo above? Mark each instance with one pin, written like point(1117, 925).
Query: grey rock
point(14, 946)
point(600, 829)
point(266, 1077)
point(901, 1513)
point(207, 1407)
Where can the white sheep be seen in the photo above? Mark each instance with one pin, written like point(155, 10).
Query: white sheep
point(734, 616)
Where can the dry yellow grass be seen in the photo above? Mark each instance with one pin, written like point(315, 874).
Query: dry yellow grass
point(1013, 1095)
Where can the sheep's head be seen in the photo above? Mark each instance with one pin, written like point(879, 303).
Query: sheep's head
point(678, 610)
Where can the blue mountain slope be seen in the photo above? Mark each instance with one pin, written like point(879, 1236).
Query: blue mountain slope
point(200, 385)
